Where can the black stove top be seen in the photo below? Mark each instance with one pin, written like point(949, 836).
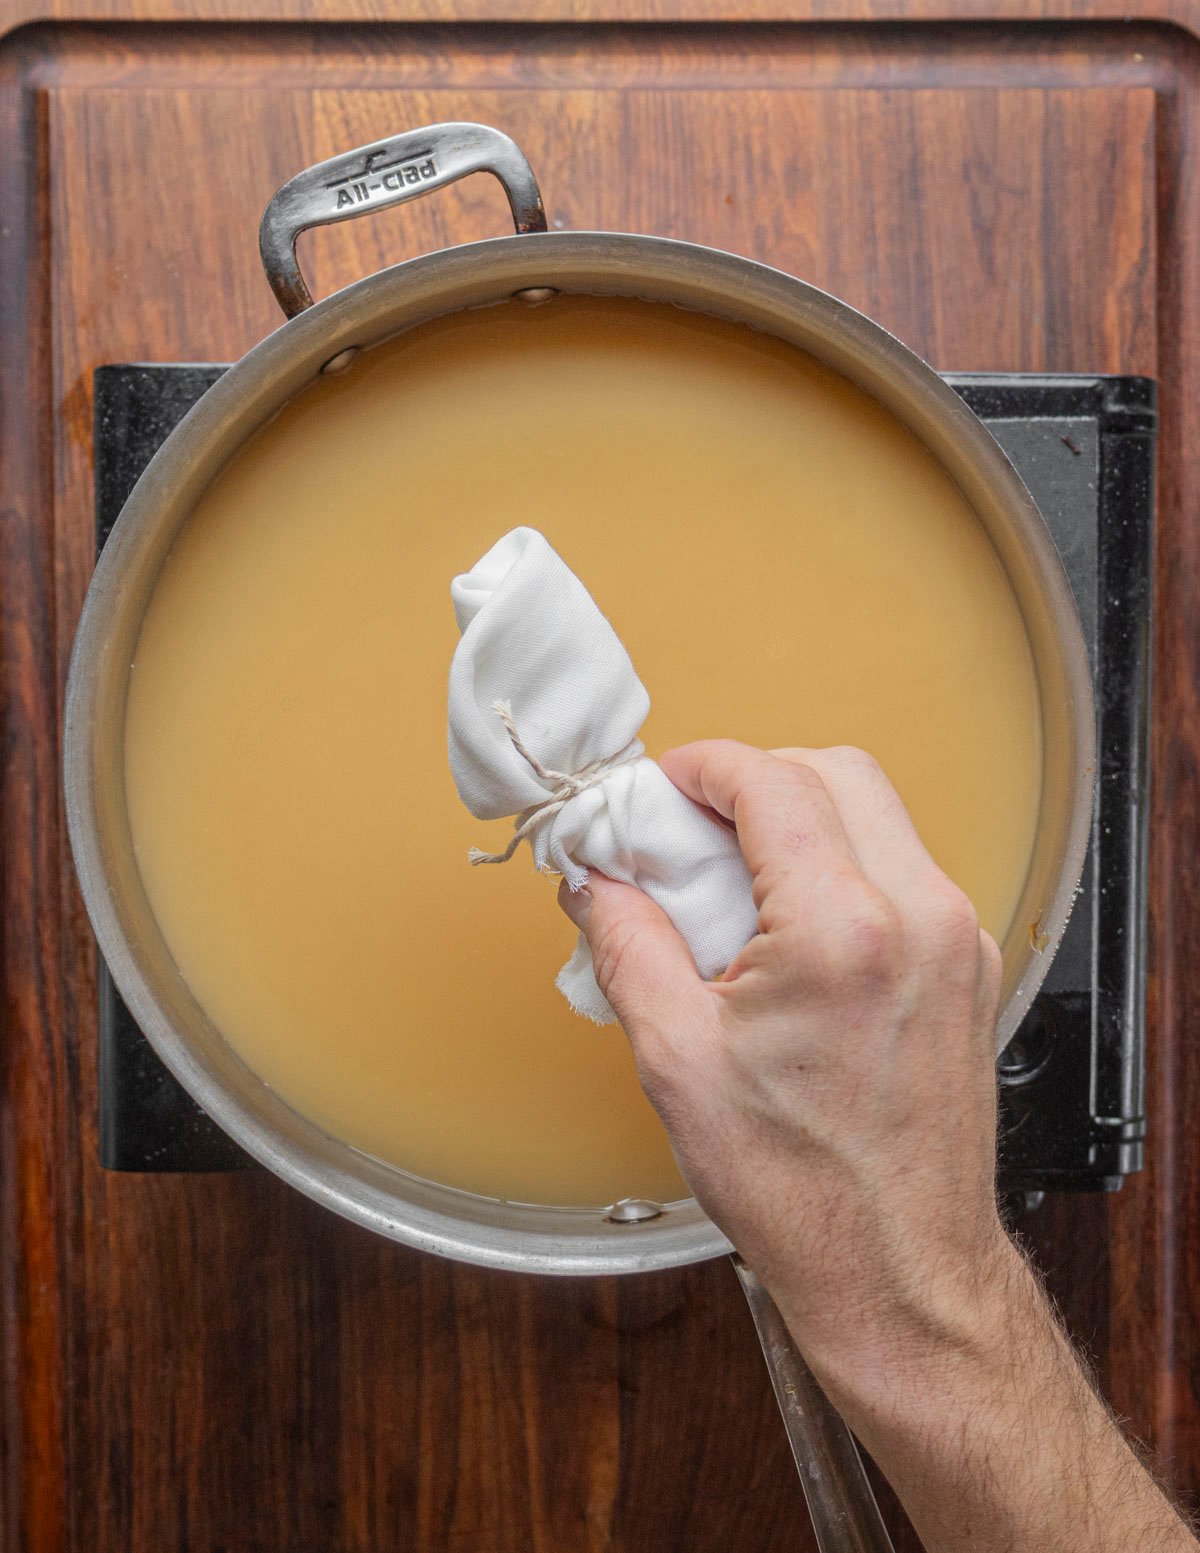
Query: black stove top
point(1071, 1081)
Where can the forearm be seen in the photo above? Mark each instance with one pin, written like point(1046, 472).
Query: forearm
point(857, 1029)
point(994, 1439)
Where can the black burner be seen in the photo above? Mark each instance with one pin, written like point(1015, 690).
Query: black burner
point(1072, 1078)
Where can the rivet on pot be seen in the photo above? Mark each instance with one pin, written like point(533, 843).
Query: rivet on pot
point(633, 1210)
point(532, 295)
point(340, 362)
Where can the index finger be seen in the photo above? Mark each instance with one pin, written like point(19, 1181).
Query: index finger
point(782, 811)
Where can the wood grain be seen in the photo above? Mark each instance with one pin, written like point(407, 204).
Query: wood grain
point(36, 1198)
point(215, 1363)
point(27, 13)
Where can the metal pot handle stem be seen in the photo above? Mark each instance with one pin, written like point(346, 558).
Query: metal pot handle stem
point(841, 1503)
point(388, 172)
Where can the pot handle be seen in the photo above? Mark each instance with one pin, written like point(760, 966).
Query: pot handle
point(388, 172)
point(841, 1503)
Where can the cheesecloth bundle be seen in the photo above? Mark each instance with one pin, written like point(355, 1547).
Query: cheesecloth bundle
point(545, 710)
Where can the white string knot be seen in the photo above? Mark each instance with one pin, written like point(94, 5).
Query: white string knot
point(565, 786)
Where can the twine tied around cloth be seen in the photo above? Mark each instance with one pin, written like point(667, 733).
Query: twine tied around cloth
point(566, 785)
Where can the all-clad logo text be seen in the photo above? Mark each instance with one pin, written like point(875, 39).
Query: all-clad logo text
point(378, 175)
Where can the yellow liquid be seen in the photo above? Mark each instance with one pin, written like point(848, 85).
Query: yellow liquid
point(785, 564)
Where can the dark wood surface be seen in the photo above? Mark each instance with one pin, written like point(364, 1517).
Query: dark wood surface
point(211, 1364)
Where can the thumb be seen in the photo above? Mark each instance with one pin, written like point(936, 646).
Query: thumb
point(642, 965)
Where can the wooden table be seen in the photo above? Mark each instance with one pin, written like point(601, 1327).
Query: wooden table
point(209, 1364)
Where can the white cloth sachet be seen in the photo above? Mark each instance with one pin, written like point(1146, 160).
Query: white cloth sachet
point(540, 683)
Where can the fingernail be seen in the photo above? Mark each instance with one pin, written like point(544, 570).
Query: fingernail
point(576, 903)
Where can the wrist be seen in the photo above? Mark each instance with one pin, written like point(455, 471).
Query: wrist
point(913, 1359)
point(985, 1423)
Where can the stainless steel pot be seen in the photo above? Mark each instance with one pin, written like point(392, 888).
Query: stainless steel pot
point(324, 337)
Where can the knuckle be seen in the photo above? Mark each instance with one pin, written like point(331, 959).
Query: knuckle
point(777, 778)
point(721, 757)
point(800, 776)
point(774, 888)
point(787, 798)
point(870, 935)
point(612, 949)
point(947, 915)
point(874, 946)
point(848, 757)
point(711, 750)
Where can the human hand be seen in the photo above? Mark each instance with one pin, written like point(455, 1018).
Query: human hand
point(832, 1103)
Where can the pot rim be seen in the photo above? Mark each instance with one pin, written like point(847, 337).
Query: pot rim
point(270, 375)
